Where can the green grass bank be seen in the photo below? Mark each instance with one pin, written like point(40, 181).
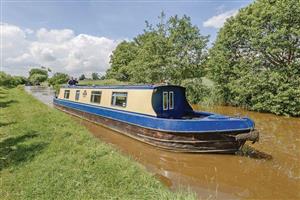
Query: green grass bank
point(44, 154)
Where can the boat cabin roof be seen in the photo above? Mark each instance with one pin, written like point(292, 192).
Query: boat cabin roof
point(151, 87)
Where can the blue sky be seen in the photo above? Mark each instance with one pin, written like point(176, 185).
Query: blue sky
point(114, 20)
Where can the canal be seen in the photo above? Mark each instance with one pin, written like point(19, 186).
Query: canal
point(269, 169)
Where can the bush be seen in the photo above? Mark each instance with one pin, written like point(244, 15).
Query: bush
point(268, 91)
point(20, 80)
point(7, 80)
point(195, 90)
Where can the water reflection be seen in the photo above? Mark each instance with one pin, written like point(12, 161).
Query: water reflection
point(273, 174)
point(45, 94)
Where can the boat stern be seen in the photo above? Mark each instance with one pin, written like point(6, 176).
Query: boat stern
point(253, 136)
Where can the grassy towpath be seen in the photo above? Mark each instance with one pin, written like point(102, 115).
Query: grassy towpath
point(44, 154)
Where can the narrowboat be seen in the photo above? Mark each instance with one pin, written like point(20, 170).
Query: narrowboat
point(159, 115)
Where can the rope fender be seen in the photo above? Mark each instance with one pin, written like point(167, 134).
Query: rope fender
point(253, 136)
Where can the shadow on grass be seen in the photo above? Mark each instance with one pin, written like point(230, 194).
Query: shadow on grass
point(13, 152)
point(6, 124)
point(4, 104)
point(253, 153)
point(2, 91)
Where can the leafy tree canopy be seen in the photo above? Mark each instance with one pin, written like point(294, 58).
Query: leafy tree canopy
point(171, 51)
point(36, 75)
point(58, 78)
point(255, 60)
point(120, 60)
point(38, 71)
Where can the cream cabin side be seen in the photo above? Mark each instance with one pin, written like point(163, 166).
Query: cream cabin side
point(132, 100)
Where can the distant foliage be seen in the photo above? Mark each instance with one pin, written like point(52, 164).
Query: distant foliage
point(36, 79)
point(58, 79)
point(81, 77)
point(95, 76)
point(37, 76)
point(172, 51)
point(7, 80)
point(38, 71)
point(255, 60)
point(196, 91)
point(103, 82)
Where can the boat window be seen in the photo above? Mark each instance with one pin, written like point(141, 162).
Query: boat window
point(165, 100)
point(119, 99)
point(67, 94)
point(96, 96)
point(77, 95)
point(171, 100)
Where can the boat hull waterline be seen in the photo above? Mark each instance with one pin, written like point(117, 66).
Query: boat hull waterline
point(194, 142)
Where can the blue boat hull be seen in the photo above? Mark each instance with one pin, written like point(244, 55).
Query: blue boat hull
point(210, 124)
point(215, 133)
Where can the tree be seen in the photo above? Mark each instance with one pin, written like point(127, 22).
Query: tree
point(58, 78)
point(95, 76)
point(171, 51)
point(188, 52)
point(150, 63)
point(38, 71)
point(120, 59)
point(81, 77)
point(36, 79)
point(255, 60)
point(36, 75)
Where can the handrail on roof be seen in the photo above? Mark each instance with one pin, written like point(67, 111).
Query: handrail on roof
point(111, 86)
point(137, 86)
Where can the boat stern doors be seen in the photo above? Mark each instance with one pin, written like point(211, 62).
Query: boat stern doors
point(170, 102)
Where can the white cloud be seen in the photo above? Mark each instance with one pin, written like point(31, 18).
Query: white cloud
point(217, 21)
point(54, 36)
point(61, 50)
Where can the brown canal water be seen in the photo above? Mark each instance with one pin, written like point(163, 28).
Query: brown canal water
point(269, 169)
